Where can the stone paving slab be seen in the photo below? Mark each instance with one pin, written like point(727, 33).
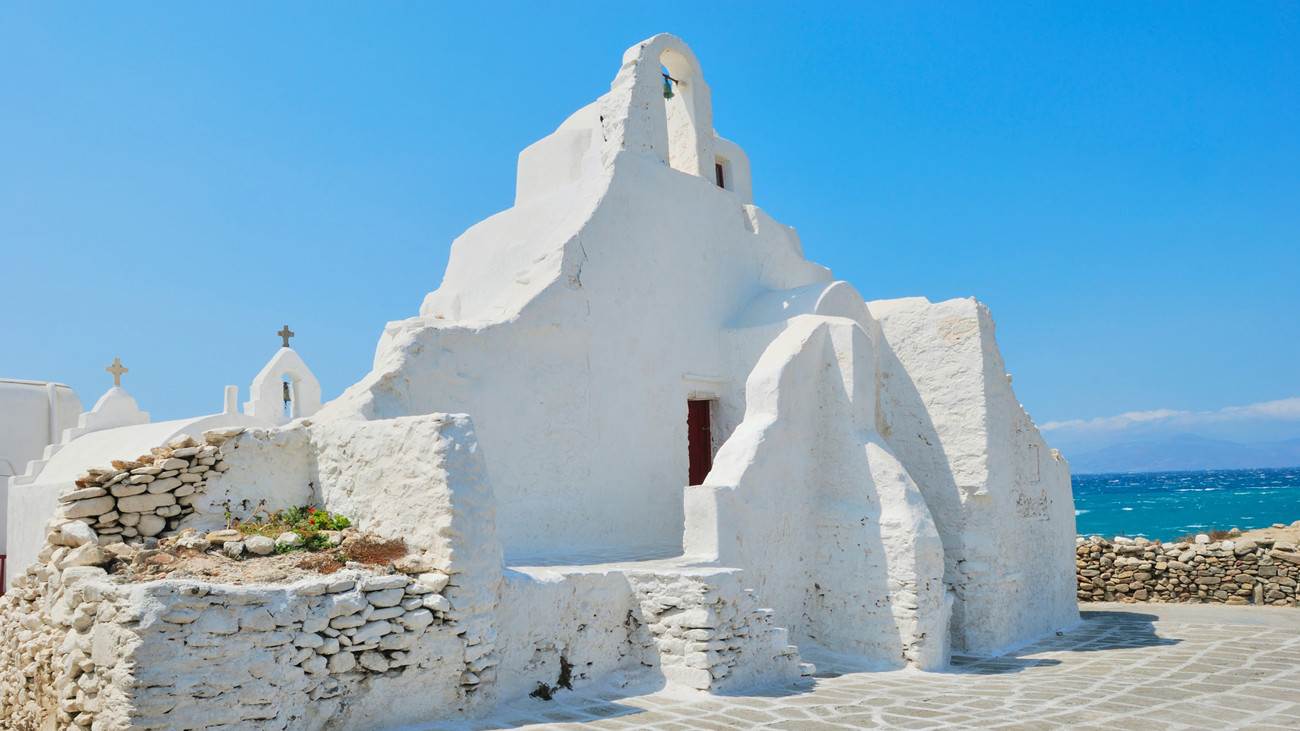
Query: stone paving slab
point(1152, 666)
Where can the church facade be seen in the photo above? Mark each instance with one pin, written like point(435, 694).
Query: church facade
point(635, 289)
point(647, 438)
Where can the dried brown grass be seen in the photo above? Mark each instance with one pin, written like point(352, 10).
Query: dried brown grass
point(374, 550)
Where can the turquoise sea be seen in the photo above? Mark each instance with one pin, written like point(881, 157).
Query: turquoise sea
point(1166, 505)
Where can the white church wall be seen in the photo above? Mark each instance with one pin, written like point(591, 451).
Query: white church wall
point(548, 619)
point(575, 324)
point(419, 478)
point(582, 391)
point(999, 496)
point(33, 414)
point(267, 470)
point(863, 465)
point(807, 499)
point(560, 159)
point(1037, 500)
point(735, 165)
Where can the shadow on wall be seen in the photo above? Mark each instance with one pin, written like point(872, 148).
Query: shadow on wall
point(917, 445)
point(854, 536)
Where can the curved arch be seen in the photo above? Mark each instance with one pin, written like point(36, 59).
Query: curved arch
point(679, 112)
point(682, 136)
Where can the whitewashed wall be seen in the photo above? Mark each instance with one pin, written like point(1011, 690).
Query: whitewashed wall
point(1000, 496)
point(571, 325)
point(809, 499)
point(32, 415)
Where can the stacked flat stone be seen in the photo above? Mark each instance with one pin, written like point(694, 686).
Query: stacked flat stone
point(77, 640)
point(62, 658)
point(707, 632)
point(1228, 572)
point(148, 496)
point(368, 626)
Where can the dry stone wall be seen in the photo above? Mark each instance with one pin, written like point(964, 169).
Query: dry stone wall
point(147, 496)
point(361, 648)
point(66, 650)
point(301, 656)
point(1228, 572)
point(67, 629)
point(91, 653)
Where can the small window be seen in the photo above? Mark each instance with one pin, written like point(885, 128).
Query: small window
point(720, 172)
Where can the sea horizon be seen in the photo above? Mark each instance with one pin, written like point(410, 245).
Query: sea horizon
point(1170, 504)
point(1152, 472)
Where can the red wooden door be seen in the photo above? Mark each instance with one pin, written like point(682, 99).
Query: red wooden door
point(699, 441)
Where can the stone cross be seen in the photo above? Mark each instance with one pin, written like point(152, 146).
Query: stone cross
point(286, 333)
point(117, 369)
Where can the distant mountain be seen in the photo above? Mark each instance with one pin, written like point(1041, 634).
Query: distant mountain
point(1185, 452)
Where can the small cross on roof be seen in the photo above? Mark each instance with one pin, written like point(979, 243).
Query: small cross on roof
point(286, 333)
point(117, 369)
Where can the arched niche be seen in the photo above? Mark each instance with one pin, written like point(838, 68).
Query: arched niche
point(637, 117)
point(683, 149)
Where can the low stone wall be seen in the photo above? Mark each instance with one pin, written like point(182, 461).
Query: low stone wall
point(147, 496)
point(367, 647)
point(1228, 572)
point(296, 656)
point(176, 654)
point(66, 651)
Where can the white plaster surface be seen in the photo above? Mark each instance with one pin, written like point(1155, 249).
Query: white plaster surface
point(33, 414)
point(877, 492)
point(810, 500)
point(114, 409)
point(999, 494)
point(555, 329)
point(266, 394)
point(574, 326)
point(400, 478)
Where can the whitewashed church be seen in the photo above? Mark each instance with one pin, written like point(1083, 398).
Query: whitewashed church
point(647, 440)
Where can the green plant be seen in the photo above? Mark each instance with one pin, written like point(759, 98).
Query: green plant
point(315, 541)
point(310, 523)
point(294, 515)
point(325, 520)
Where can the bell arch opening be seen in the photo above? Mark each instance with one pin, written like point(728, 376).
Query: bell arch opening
point(680, 80)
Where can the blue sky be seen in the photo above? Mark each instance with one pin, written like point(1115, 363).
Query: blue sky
point(1119, 182)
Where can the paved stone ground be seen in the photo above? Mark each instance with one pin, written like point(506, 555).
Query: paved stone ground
point(1127, 666)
